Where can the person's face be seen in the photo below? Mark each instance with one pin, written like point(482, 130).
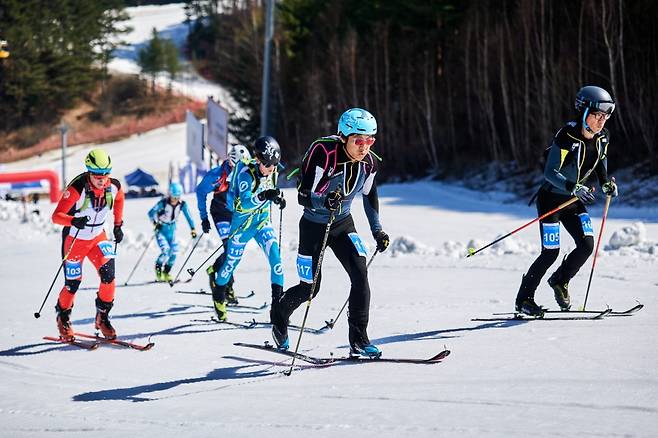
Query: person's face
point(98, 181)
point(596, 121)
point(358, 145)
point(174, 201)
point(265, 170)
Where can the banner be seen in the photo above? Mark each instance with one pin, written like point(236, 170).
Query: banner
point(217, 128)
point(194, 139)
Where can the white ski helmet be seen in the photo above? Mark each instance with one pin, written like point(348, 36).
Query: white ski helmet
point(238, 152)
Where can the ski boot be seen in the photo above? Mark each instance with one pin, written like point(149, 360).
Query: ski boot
point(230, 295)
point(166, 275)
point(64, 323)
point(159, 274)
point(279, 327)
point(103, 319)
point(367, 350)
point(220, 310)
point(530, 308)
point(561, 291)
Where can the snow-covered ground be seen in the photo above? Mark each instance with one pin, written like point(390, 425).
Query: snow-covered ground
point(561, 378)
point(169, 22)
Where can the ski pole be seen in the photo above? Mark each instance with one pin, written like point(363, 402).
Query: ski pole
point(331, 322)
point(472, 251)
point(221, 244)
point(140, 259)
point(598, 242)
point(316, 274)
point(37, 314)
point(171, 283)
point(280, 231)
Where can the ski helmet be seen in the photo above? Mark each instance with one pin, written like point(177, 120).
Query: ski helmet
point(357, 121)
point(238, 152)
point(267, 150)
point(594, 98)
point(175, 190)
point(98, 162)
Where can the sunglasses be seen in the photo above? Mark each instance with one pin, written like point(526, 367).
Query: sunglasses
point(368, 141)
point(600, 116)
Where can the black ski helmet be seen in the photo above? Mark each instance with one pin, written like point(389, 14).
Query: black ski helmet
point(267, 150)
point(592, 98)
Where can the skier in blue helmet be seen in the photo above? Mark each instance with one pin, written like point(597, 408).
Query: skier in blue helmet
point(334, 170)
point(578, 151)
point(164, 215)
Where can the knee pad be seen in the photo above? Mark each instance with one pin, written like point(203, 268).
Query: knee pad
point(106, 272)
point(72, 285)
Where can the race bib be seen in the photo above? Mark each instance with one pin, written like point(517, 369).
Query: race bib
point(223, 228)
point(305, 268)
point(107, 248)
point(586, 222)
point(73, 270)
point(358, 244)
point(550, 235)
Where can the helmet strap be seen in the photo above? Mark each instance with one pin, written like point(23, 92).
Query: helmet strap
point(585, 125)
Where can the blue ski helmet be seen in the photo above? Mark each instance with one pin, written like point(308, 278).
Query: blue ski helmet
point(175, 190)
point(357, 121)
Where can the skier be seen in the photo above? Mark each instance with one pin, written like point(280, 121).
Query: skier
point(251, 190)
point(333, 171)
point(83, 209)
point(578, 149)
point(164, 215)
point(216, 181)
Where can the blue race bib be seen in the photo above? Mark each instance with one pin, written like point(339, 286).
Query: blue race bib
point(550, 235)
point(358, 244)
point(73, 270)
point(305, 268)
point(586, 222)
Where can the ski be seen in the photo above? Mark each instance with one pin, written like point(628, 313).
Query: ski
point(437, 358)
point(312, 330)
point(630, 311)
point(119, 342)
point(81, 344)
point(548, 317)
point(214, 320)
point(202, 291)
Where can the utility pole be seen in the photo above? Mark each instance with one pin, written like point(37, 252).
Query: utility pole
point(265, 96)
point(64, 129)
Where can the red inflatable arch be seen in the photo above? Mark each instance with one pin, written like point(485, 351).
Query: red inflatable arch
point(35, 175)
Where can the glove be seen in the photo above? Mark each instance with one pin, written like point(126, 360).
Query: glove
point(269, 194)
point(157, 226)
point(584, 193)
point(80, 222)
point(193, 234)
point(205, 225)
point(280, 202)
point(382, 240)
point(610, 188)
point(118, 233)
point(332, 200)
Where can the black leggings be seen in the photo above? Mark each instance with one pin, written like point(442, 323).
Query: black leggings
point(311, 235)
point(576, 221)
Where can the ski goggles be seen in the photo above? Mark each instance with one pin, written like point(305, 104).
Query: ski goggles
point(600, 116)
point(368, 141)
point(604, 107)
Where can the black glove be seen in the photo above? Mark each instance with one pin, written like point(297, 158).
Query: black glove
point(157, 226)
point(205, 225)
point(584, 193)
point(280, 201)
point(118, 233)
point(269, 194)
point(332, 200)
point(610, 188)
point(382, 240)
point(80, 222)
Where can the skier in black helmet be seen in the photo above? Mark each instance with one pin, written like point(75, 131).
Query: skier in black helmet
point(579, 150)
